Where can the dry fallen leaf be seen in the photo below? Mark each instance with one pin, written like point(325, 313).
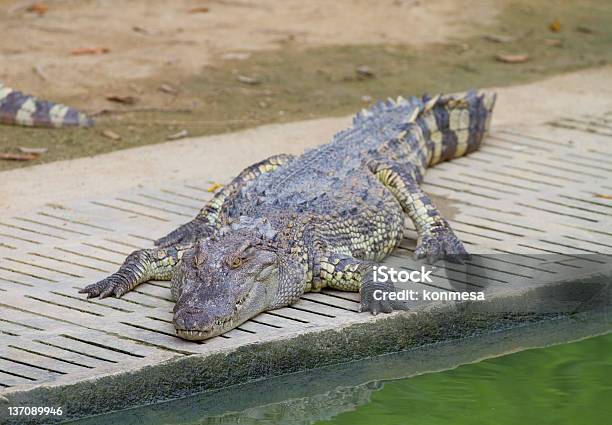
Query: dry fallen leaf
point(553, 42)
point(110, 134)
point(555, 26)
point(364, 72)
point(35, 151)
point(167, 88)
point(127, 100)
point(39, 8)
point(497, 38)
point(518, 58)
point(140, 30)
point(38, 70)
point(213, 187)
point(90, 51)
point(585, 30)
point(179, 135)
point(18, 156)
point(248, 80)
point(199, 10)
point(603, 196)
point(236, 56)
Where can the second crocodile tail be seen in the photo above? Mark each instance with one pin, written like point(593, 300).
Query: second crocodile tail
point(18, 108)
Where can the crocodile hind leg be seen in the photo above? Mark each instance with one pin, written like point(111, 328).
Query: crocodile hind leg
point(207, 221)
point(139, 267)
point(347, 273)
point(436, 240)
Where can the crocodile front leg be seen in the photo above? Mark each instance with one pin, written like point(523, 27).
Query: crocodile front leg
point(207, 220)
point(139, 267)
point(187, 233)
point(436, 240)
point(347, 273)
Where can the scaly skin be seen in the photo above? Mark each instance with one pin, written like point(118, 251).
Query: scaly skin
point(290, 225)
point(19, 109)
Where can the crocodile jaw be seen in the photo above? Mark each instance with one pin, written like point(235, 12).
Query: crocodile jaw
point(209, 321)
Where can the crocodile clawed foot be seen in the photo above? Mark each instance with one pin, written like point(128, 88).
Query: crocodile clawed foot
point(135, 270)
point(115, 284)
point(376, 306)
point(440, 243)
point(381, 306)
point(375, 299)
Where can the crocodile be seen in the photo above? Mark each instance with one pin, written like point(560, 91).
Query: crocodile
point(18, 108)
point(293, 224)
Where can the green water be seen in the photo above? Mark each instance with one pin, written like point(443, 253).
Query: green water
point(563, 384)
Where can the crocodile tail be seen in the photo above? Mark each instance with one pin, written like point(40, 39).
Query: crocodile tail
point(20, 109)
point(455, 124)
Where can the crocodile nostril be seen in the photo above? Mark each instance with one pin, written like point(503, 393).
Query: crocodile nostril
point(190, 318)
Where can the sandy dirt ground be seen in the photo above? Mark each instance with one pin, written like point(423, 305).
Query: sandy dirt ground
point(208, 67)
point(164, 40)
point(219, 158)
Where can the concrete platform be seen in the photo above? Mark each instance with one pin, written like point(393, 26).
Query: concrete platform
point(531, 199)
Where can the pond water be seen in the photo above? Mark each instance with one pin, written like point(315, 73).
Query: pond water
point(562, 384)
point(568, 383)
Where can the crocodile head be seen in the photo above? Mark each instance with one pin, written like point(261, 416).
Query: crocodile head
point(226, 280)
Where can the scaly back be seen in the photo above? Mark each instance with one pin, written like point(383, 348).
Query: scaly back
point(420, 131)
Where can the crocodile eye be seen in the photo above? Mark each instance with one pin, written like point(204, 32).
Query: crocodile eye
point(235, 263)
